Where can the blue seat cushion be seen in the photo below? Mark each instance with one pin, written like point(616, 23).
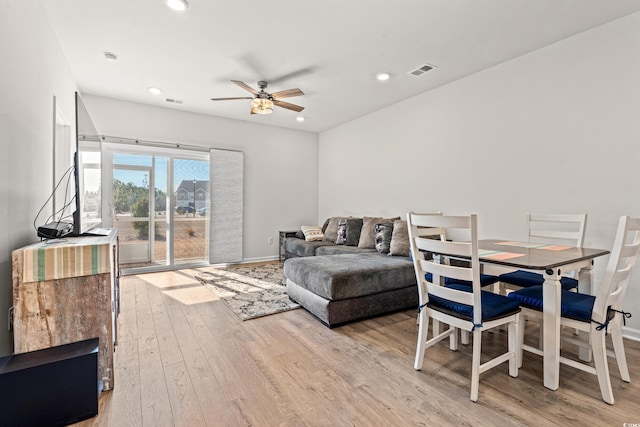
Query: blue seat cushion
point(494, 306)
point(572, 305)
point(485, 280)
point(525, 279)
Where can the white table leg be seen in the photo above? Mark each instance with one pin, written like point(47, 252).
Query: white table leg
point(551, 328)
point(584, 280)
point(584, 287)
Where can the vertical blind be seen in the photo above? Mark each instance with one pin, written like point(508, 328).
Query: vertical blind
point(227, 184)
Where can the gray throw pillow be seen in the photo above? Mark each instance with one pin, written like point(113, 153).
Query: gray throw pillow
point(331, 232)
point(354, 227)
point(367, 234)
point(324, 226)
point(400, 239)
point(383, 236)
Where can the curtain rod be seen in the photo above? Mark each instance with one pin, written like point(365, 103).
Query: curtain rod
point(133, 141)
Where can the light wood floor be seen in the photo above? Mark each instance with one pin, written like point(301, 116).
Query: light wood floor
point(184, 359)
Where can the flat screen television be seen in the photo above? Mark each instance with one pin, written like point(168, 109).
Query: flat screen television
point(87, 172)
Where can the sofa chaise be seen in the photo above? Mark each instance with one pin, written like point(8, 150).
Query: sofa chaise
point(340, 283)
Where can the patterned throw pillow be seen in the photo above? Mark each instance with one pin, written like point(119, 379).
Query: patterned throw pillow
point(400, 239)
point(383, 232)
point(367, 235)
point(342, 232)
point(312, 233)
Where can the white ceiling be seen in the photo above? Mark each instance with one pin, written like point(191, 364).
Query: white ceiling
point(331, 49)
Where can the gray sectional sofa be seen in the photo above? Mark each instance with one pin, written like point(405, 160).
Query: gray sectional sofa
point(340, 283)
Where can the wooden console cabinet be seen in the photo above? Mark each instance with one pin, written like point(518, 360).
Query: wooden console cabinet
point(66, 292)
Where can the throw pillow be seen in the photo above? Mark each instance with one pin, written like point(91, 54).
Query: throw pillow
point(299, 235)
point(331, 232)
point(367, 234)
point(400, 239)
point(324, 226)
point(384, 231)
point(354, 227)
point(312, 232)
point(342, 232)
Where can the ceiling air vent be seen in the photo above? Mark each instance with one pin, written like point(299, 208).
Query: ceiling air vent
point(173, 101)
point(421, 70)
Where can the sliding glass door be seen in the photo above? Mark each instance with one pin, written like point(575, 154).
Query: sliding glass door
point(160, 205)
point(190, 216)
point(132, 215)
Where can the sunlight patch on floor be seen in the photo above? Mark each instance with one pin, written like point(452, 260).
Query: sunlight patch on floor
point(196, 294)
point(168, 279)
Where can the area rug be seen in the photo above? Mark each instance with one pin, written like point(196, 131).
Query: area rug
point(250, 291)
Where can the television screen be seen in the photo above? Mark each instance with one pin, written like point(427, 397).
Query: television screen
point(88, 173)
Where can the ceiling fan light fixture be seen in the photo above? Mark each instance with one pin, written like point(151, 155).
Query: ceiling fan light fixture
point(178, 5)
point(261, 106)
point(300, 119)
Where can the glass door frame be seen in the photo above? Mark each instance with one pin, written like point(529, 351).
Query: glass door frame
point(172, 154)
point(151, 195)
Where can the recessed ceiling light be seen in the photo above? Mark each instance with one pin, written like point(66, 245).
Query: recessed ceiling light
point(178, 5)
point(110, 56)
point(300, 119)
point(383, 76)
point(155, 91)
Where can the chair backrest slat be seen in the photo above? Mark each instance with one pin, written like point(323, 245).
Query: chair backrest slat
point(444, 270)
point(424, 231)
point(452, 294)
point(450, 248)
point(553, 234)
point(630, 250)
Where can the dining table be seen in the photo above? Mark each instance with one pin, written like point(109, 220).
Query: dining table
point(552, 261)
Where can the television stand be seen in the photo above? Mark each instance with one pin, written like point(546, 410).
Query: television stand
point(67, 292)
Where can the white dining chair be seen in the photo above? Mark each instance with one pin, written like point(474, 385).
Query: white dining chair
point(459, 306)
point(551, 229)
point(597, 315)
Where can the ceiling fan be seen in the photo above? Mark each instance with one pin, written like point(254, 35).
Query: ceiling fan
point(262, 102)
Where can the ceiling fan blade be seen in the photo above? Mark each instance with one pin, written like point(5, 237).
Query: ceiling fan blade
point(245, 86)
point(292, 75)
point(229, 99)
point(287, 93)
point(288, 106)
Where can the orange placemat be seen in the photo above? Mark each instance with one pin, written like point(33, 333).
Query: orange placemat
point(501, 256)
point(554, 247)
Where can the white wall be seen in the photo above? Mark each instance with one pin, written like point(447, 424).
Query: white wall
point(33, 71)
point(281, 165)
point(557, 130)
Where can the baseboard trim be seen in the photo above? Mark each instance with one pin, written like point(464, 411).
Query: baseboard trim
point(631, 333)
point(259, 259)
